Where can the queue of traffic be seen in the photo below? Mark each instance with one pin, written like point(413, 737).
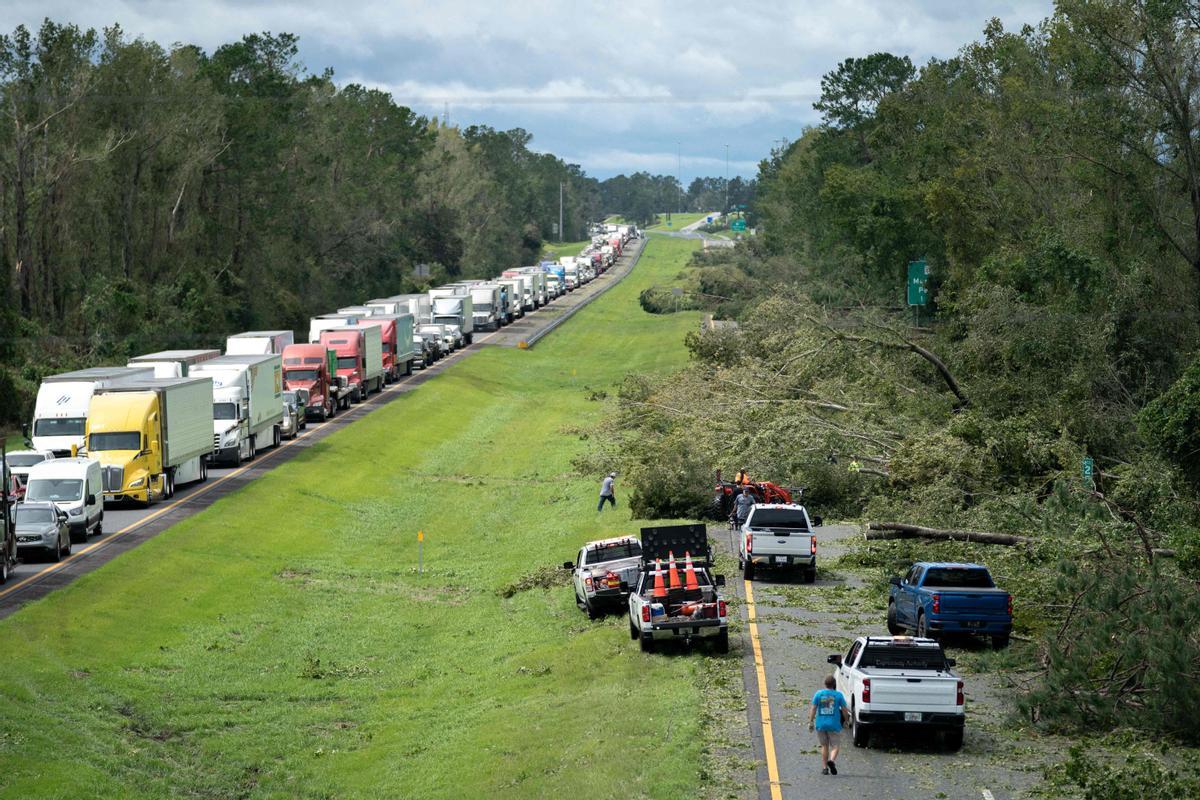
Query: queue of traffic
point(137, 432)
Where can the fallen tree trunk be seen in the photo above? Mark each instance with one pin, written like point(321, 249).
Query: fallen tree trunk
point(901, 530)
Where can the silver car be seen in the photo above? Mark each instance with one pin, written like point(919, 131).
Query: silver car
point(41, 528)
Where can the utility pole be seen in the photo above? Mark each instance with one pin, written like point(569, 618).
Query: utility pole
point(726, 180)
point(679, 171)
point(560, 218)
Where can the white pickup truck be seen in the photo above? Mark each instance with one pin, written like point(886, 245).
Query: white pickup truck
point(603, 571)
point(778, 535)
point(678, 613)
point(901, 682)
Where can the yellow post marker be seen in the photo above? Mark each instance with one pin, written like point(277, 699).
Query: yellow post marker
point(420, 552)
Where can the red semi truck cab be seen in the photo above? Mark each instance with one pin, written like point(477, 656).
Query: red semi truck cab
point(387, 335)
point(350, 348)
point(306, 366)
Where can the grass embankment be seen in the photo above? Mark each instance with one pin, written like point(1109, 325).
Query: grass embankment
point(554, 250)
point(282, 644)
point(679, 220)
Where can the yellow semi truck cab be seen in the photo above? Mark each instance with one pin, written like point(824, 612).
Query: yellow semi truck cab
point(123, 434)
point(149, 435)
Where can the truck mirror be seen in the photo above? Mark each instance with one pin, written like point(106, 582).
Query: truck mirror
point(91, 499)
point(894, 580)
point(720, 580)
point(950, 662)
point(835, 659)
point(817, 521)
point(25, 429)
point(568, 565)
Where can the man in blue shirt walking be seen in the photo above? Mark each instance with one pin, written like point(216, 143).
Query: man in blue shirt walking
point(826, 716)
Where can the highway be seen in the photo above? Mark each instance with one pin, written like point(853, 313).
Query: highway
point(126, 527)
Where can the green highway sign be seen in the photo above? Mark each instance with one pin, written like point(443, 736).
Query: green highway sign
point(1089, 470)
point(738, 225)
point(918, 283)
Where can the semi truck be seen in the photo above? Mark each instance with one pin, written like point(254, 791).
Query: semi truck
point(453, 309)
point(255, 343)
point(396, 344)
point(173, 363)
point(313, 368)
point(385, 305)
point(528, 297)
point(535, 274)
point(151, 436)
point(570, 273)
point(485, 306)
point(61, 409)
point(515, 289)
point(359, 357)
point(247, 405)
point(419, 305)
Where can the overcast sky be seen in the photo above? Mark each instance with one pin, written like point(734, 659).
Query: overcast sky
point(612, 90)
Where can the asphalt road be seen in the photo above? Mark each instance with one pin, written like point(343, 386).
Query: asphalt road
point(798, 626)
point(126, 527)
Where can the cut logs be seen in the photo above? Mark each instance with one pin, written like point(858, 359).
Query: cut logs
point(901, 530)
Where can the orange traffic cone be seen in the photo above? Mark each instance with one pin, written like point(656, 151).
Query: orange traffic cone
point(692, 588)
point(674, 573)
point(660, 591)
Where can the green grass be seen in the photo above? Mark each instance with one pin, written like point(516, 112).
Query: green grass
point(282, 643)
point(554, 250)
point(678, 221)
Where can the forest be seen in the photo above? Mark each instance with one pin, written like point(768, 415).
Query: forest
point(153, 198)
point(1049, 177)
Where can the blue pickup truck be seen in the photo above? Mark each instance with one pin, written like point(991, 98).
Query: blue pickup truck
point(935, 598)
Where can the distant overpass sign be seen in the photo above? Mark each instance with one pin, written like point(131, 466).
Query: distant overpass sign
point(738, 225)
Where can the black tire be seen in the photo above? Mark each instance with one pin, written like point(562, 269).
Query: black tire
point(237, 457)
point(716, 509)
point(748, 570)
point(922, 629)
point(408, 367)
point(647, 644)
point(3, 568)
point(860, 733)
point(67, 550)
point(894, 627)
point(722, 643)
point(169, 483)
point(810, 575)
point(1000, 642)
point(952, 739)
point(100, 524)
point(55, 555)
point(276, 436)
point(633, 631)
point(592, 611)
point(203, 469)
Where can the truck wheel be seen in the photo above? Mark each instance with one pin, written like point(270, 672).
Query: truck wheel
point(169, 484)
point(952, 739)
point(275, 436)
point(922, 626)
point(810, 575)
point(722, 643)
point(3, 568)
point(894, 628)
point(1000, 642)
point(859, 732)
point(592, 611)
point(633, 631)
point(253, 449)
point(748, 570)
point(237, 457)
point(647, 644)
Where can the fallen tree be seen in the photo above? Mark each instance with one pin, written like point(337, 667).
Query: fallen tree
point(901, 530)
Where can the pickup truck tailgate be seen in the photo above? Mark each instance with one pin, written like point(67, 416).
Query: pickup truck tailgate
point(891, 691)
point(975, 603)
point(783, 543)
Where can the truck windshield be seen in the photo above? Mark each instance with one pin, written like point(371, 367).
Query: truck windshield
point(613, 552)
point(59, 426)
point(224, 410)
point(958, 578)
point(300, 375)
point(778, 518)
point(25, 459)
point(120, 440)
point(34, 516)
point(891, 656)
point(347, 362)
point(55, 490)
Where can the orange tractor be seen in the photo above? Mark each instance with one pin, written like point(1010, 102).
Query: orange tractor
point(725, 492)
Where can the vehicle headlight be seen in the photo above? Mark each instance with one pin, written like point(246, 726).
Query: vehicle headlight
point(231, 438)
point(136, 483)
point(76, 512)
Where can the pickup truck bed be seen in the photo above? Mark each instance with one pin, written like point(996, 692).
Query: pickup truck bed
point(936, 598)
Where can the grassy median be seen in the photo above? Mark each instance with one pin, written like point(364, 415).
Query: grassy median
point(282, 643)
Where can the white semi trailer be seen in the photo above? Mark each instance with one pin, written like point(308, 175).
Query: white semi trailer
point(247, 404)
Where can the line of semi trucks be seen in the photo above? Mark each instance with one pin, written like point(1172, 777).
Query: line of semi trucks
point(138, 431)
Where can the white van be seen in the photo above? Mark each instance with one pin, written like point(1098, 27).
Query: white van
point(76, 486)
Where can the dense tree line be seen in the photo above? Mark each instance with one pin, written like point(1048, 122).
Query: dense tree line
point(153, 197)
point(641, 197)
point(1050, 178)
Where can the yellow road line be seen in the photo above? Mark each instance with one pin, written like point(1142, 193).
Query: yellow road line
point(764, 704)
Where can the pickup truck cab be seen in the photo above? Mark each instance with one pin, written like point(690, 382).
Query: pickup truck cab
point(934, 598)
point(677, 614)
point(778, 535)
point(901, 682)
point(602, 573)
